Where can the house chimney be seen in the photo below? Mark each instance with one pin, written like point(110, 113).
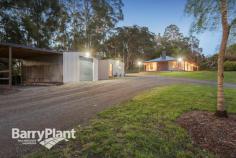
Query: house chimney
point(163, 55)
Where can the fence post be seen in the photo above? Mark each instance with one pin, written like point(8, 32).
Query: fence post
point(10, 68)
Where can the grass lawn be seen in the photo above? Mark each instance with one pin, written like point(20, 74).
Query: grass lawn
point(230, 76)
point(144, 127)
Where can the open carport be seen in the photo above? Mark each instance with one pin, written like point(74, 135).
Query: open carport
point(42, 66)
point(38, 65)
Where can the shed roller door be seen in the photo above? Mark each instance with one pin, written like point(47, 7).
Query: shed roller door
point(86, 69)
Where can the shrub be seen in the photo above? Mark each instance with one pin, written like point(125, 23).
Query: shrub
point(230, 66)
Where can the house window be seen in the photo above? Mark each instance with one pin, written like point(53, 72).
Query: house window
point(174, 65)
point(151, 66)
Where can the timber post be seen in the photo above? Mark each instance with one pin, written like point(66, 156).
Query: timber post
point(10, 68)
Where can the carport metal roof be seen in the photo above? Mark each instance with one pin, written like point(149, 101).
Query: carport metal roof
point(23, 52)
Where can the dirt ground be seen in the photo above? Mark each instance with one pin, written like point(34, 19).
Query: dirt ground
point(5, 90)
point(62, 107)
point(217, 135)
point(66, 106)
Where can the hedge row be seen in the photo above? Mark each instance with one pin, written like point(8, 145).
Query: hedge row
point(230, 66)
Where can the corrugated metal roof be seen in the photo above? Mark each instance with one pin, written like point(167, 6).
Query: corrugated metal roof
point(21, 51)
point(28, 47)
point(161, 59)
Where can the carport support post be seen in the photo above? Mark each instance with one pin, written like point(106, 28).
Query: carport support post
point(10, 68)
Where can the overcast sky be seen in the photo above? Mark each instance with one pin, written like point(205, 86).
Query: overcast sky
point(157, 14)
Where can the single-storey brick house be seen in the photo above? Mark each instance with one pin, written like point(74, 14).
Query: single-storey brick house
point(167, 63)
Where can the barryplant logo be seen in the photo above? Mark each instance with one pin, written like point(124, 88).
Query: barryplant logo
point(47, 137)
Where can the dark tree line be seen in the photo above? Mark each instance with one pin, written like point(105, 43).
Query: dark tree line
point(138, 43)
point(210, 62)
point(178, 45)
point(89, 25)
point(62, 24)
point(130, 44)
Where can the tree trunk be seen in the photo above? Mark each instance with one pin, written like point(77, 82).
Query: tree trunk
point(127, 57)
point(221, 108)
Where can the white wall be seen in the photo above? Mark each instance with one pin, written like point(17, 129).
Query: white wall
point(95, 69)
point(118, 67)
point(71, 67)
point(103, 69)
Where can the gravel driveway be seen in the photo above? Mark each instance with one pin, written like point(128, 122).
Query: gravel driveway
point(63, 107)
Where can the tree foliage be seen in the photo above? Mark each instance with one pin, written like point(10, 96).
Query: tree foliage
point(69, 24)
point(231, 51)
point(89, 25)
point(133, 43)
point(172, 33)
point(207, 15)
point(130, 44)
point(30, 22)
point(176, 44)
point(91, 21)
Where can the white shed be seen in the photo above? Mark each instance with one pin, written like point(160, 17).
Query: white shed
point(110, 68)
point(77, 67)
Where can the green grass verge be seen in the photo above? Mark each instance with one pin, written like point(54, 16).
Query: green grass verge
point(144, 127)
point(230, 76)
